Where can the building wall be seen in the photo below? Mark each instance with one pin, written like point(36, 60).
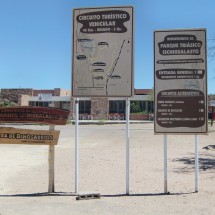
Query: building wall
point(57, 105)
point(100, 108)
point(62, 92)
point(54, 92)
point(57, 91)
point(37, 92)
point(14, 94)
point(23, 100)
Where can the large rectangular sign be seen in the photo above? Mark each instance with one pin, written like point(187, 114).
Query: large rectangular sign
point(180, 79)
point(33, 114)
point(102, 52)
point(27, 136)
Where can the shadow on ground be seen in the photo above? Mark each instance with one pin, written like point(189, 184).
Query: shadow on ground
point(206, 161)
point(40, 194)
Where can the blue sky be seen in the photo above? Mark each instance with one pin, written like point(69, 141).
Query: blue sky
point(36, 38)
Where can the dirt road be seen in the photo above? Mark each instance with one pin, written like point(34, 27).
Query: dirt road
point(24, 173)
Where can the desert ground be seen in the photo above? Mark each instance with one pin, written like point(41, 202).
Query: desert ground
point(102, 168)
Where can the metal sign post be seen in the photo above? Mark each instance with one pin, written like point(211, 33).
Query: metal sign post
point(51, 164)
point(127, 143)
point(196, 163)
point(102, 63)
point(165, 164)
point(76, 142)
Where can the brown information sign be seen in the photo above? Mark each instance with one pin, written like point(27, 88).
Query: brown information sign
point(180, 78)
point(175, 108)
point(27, 136)
point(34, 115)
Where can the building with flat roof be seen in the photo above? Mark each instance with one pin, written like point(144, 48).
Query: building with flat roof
point(89, 108)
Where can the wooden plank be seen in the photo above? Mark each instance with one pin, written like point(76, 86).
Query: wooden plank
point(24, 114)
point(27, 136)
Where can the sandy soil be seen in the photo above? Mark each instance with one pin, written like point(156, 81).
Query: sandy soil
point(24, 173)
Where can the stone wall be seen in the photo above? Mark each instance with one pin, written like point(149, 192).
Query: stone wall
point(100, 108)
point(37, 92)
point(14, 94)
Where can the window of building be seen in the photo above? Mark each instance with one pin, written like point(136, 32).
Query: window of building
point(117, 106)
point(151, 106)
point(39, 104)
point(84, 107)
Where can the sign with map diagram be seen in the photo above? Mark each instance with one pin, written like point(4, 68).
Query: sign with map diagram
point(180, 78)
point(102, 52)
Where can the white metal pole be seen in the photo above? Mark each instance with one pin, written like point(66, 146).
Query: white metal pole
point(196, 163)
point(165, 164)
point(76, 142)
point(51, 164)
point(127, 143)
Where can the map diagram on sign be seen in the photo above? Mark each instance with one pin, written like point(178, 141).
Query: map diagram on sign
point(102, 54)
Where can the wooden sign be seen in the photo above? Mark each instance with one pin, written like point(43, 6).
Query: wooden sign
point(33, 114)
point(27, 136)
